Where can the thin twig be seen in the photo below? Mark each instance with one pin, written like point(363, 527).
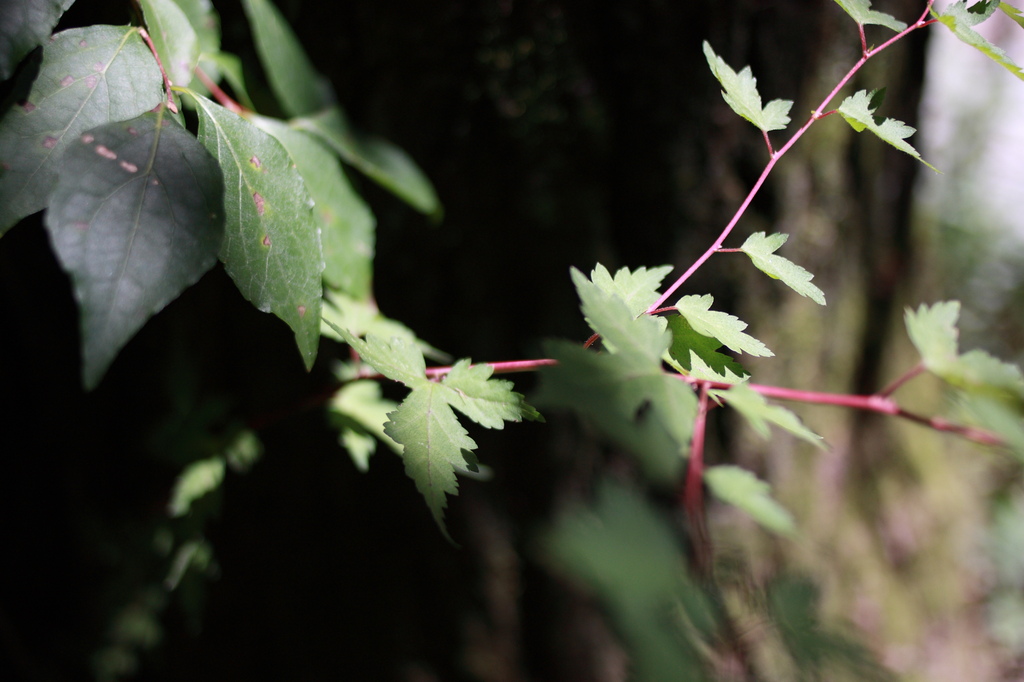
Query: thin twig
point(167, 81)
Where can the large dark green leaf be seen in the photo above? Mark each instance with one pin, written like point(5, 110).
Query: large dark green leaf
point(136, 217)
point(271, 241)
point(380, 160)
point(346, 223)
point(299, 88)
point(23, 25)
point(88, 77)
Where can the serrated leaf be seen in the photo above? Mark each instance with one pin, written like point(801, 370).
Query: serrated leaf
point(701, 370)
point(722, 326)
point(686, 342)
point(1012, 12)
point(362, 318)
point(136, 217)
point(641, 340)
point(740, 92)
point(198, 479)
point(859, 113)
point(299, 88)
point(629, 556)
point(346, 223)
point(759, 413)
point(960, 19)
point(646, 411)
point(359, 412)
point(271, 244)
point(998, 417)
point(761, 250)
point(174, 38)
point(396, 358)
point(932, 330)
point(88, 77)
point(377, 158)
point(862, 13)
point(487, 401)
point(638, 288)
point(24, 24)
point(744, 490)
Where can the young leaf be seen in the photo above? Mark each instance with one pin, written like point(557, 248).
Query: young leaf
point(960, 19)
point(271, 244)
point(744, 490)
point(933, 332)
point(639, 289)
point(24, 24)
point(136, 217)
point(862, 13)
point(88, 77)
point(299, 88)
point(174, 38)
point(760, 414)
point(701, 370)
point(722, 326)
point(205, 24)
point(761, 250)
point(346, 223)
point(378, 159)
point(740, 93)
point(434, 444)
point(359, 411)
point(197, 480)
point(640, 340)
point(362, 318)
point(686, 341)
point(859, 112)
point(1012, 12)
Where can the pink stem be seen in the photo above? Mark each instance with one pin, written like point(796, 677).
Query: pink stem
point(815, 115)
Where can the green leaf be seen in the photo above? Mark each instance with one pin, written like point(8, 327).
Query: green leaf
point(88, 77)
point(859, 112)
point(722, 326)
point(174, 38)
point(346, 224)
point(299, 88)
point(378, 159)
point(933, 332)
point(434, 444)
point(230, 66)
point(740, 93)
point(960, 19)
point(1012, 12)
point(685, 341)
point(862, 13)
point(362, 318)
point(641, 340)
point(136, 217)
point(198, 479)
point(359, 412)
point(639, 289)
point(271, 245)
point(744, 490)
point(700, 370)
point(753, 406)
point(761, 250)
point(24, 24)
point(628, 555)
point(644, 410)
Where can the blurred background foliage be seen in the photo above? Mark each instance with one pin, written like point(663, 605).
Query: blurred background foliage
point(556, 134)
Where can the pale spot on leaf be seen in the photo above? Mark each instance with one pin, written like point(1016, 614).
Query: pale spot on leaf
point(28, 107)
point(105, 153)
point(266, 240)
point(91, 81)
point(87, 138)
point(130, 167)
point(259, 202)
point(82, 43)
point(132, 131)
point(302, 311)
point(49, 142)
point(79, 225)
point(66, 81)
point(255, 161)
point(98, 67)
